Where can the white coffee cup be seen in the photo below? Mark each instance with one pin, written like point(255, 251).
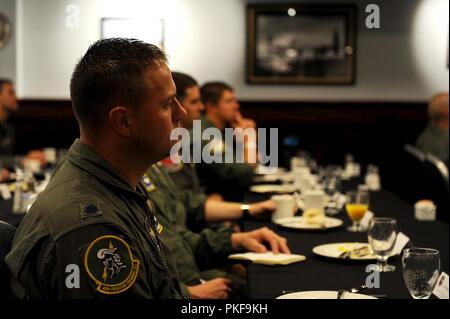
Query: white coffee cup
point(286, 206)
point(32, 165)
point(303, 181)
point(50, 155)
point(297, 162)
point(314, 199)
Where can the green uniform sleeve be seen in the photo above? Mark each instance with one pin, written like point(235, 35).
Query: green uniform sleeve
point(194, 204)
point(192, 200)
point(210, 248)
point(185, 291)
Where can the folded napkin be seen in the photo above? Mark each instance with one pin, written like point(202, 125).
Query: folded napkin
point(269, 258)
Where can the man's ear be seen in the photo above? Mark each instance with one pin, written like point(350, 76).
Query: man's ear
point(119, 119)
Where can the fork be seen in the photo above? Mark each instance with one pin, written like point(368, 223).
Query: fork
point(348, 254)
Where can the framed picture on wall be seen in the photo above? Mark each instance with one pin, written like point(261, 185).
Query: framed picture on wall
point(301, 44)
point(147, 30)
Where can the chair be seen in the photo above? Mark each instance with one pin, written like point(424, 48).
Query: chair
point(441, 167)
point(414, 175)
point(7, 232)
point(438, 185)
point(405, 173)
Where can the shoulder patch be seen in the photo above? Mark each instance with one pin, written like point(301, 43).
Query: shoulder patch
point(90, 210)
point(109, 263)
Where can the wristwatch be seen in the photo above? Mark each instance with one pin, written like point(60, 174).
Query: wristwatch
point(245, 208)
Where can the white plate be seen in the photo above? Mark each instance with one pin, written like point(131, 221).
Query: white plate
point(266, 178)
point(281, 189)
point(334, 250)
point(300, 223)
point(323, 295)
point(264, 170)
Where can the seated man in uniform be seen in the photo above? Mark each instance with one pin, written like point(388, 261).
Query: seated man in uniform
point(231, 180)
point(94, 214)
point(197, 254)
point(8, 104)
point(185, 175)
point(434, 139)
point(93, 233)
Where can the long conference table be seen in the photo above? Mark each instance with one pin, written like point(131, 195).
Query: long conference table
point(318, 273)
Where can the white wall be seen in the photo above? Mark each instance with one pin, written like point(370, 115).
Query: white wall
point(8, 53)
point(404, 60)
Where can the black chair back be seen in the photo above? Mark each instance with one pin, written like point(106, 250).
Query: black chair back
point(437, 185)
point(6, 237)
point(405, 174)
point(414, 175)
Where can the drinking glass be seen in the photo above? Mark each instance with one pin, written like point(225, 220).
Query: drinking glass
point(382, 234)
point(332, 187)
point(356, 207)
point(421, 269)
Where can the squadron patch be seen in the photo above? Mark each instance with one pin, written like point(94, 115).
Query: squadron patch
point(109, 263)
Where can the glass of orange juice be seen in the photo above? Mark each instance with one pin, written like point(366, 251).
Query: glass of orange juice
point(356, 207)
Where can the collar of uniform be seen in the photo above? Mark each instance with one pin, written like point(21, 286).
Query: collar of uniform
point(435, 130)
point(85, 158)
point(206, 122)
point(158, 174)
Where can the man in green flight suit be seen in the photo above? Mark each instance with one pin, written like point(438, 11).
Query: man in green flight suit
point(92, 233)
point(196, 252)
point(212, 207)
point(231, 180)
point(435, 138)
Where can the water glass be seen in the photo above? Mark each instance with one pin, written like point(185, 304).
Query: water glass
point(382, 234)
point(421, 269)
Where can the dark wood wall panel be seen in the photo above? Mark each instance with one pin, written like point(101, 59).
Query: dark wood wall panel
point(373, 131)
point(41, 123)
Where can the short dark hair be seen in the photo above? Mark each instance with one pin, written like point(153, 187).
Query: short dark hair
point(4, 81)
point(183, 82)
point(212, 92)
point(111, 73)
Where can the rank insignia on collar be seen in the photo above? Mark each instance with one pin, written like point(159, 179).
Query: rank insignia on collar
point(148, 184)
point(110, 264)
point(90, 210)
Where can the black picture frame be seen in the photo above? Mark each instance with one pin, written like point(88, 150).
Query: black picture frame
point(301, 44)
